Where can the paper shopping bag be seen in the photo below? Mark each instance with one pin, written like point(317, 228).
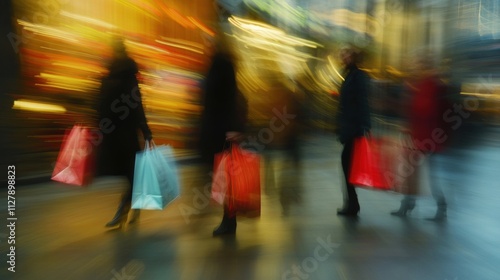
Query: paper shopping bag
point(220, 181)
point(368, 165)
point(156, 181)
point(75, 162)
point(237, 181)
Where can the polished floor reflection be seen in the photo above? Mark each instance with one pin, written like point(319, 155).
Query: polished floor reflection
point(60, 230)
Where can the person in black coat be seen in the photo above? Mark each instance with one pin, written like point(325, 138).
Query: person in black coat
point(120, 116)
point(353, 120)
point(223, 118)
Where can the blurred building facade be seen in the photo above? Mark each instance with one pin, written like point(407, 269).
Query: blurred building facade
point(62, 47)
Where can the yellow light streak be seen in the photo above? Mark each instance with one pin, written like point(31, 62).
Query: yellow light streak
point(201, 26)
point(88, 20)
point(271, 32)
point(28, 105)
point(180, 47)
point(48, 31)
point(331, 64)
point(76, 66)
point(147, 47)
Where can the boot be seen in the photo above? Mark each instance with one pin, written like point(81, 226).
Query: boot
point(136, 213)
point(441, 211)
point(407, 205)
point(226, 227)
point(350, 210)
point(120, 217)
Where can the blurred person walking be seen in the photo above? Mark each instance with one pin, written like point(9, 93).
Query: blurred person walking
point(282, 150)
point(428, 131)
point(353, 119)
point(120, 116)
point(224, 115)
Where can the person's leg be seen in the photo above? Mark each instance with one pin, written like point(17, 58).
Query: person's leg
point(408, 202)
point(121, 214)
point(435, 169)
point(351, 204)
point(228, 224)
point(407, 205)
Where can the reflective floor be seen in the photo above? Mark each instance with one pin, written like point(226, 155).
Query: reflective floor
point(60, 231)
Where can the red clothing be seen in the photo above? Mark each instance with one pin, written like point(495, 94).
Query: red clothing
point(427, 107)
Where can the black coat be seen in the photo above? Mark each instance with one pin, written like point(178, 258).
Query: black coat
point(225, 109)
point(354, 111)
point(120, 116)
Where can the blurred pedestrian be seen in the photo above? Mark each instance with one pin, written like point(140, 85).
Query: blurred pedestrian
point(283, 116)
point(224, 115)
point(353, 119)
point(120, 116)
point(428, 131)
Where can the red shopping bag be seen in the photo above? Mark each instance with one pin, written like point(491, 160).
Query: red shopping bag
point(368, 166)
point(236, 181)
point(74, 163)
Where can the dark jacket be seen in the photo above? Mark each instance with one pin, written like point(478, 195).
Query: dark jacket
point(353, 118)
point(120, 116)
point(225, 108)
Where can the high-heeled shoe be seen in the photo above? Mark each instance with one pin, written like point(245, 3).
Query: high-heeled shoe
point(404, 210)
point(136, 213)
point(121, 215)
point(440, 216)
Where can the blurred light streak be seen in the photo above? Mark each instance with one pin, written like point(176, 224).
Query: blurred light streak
point(183, 42)
point(359, 22)
point(127, 3)
point(147, 7)
point(275, 47)
point(48, 31)
point(145, 46)
point(28, 105)
point(65, 82)
point(332, 66)
point(201, 26)
point(482, 95)
point(76, 67)
point(74, 53)
point(177, 17)
point(271, 32)
point(180, 47)
point(88, 20)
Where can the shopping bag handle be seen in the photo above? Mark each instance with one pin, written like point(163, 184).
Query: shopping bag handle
point(147, 146)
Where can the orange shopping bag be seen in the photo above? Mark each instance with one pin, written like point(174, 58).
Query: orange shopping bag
point(237, 181)
point(74, 163)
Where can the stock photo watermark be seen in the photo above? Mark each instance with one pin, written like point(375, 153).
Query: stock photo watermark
point(45, 10)
point(11, 219)
point(454, 117)
point(309, 265)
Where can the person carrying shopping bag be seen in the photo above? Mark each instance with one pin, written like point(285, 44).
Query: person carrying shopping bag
point(353, 120)
point(120, 116)
point(223, 117)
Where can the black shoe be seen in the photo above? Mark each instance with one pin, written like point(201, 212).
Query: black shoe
point(121, 215)
point(406, 207)
point(348, 211)
point(227, 227)
point(440, 216)
point(136, 213)
point(403, 211)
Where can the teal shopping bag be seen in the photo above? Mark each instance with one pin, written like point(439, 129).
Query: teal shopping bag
point(156, 182)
